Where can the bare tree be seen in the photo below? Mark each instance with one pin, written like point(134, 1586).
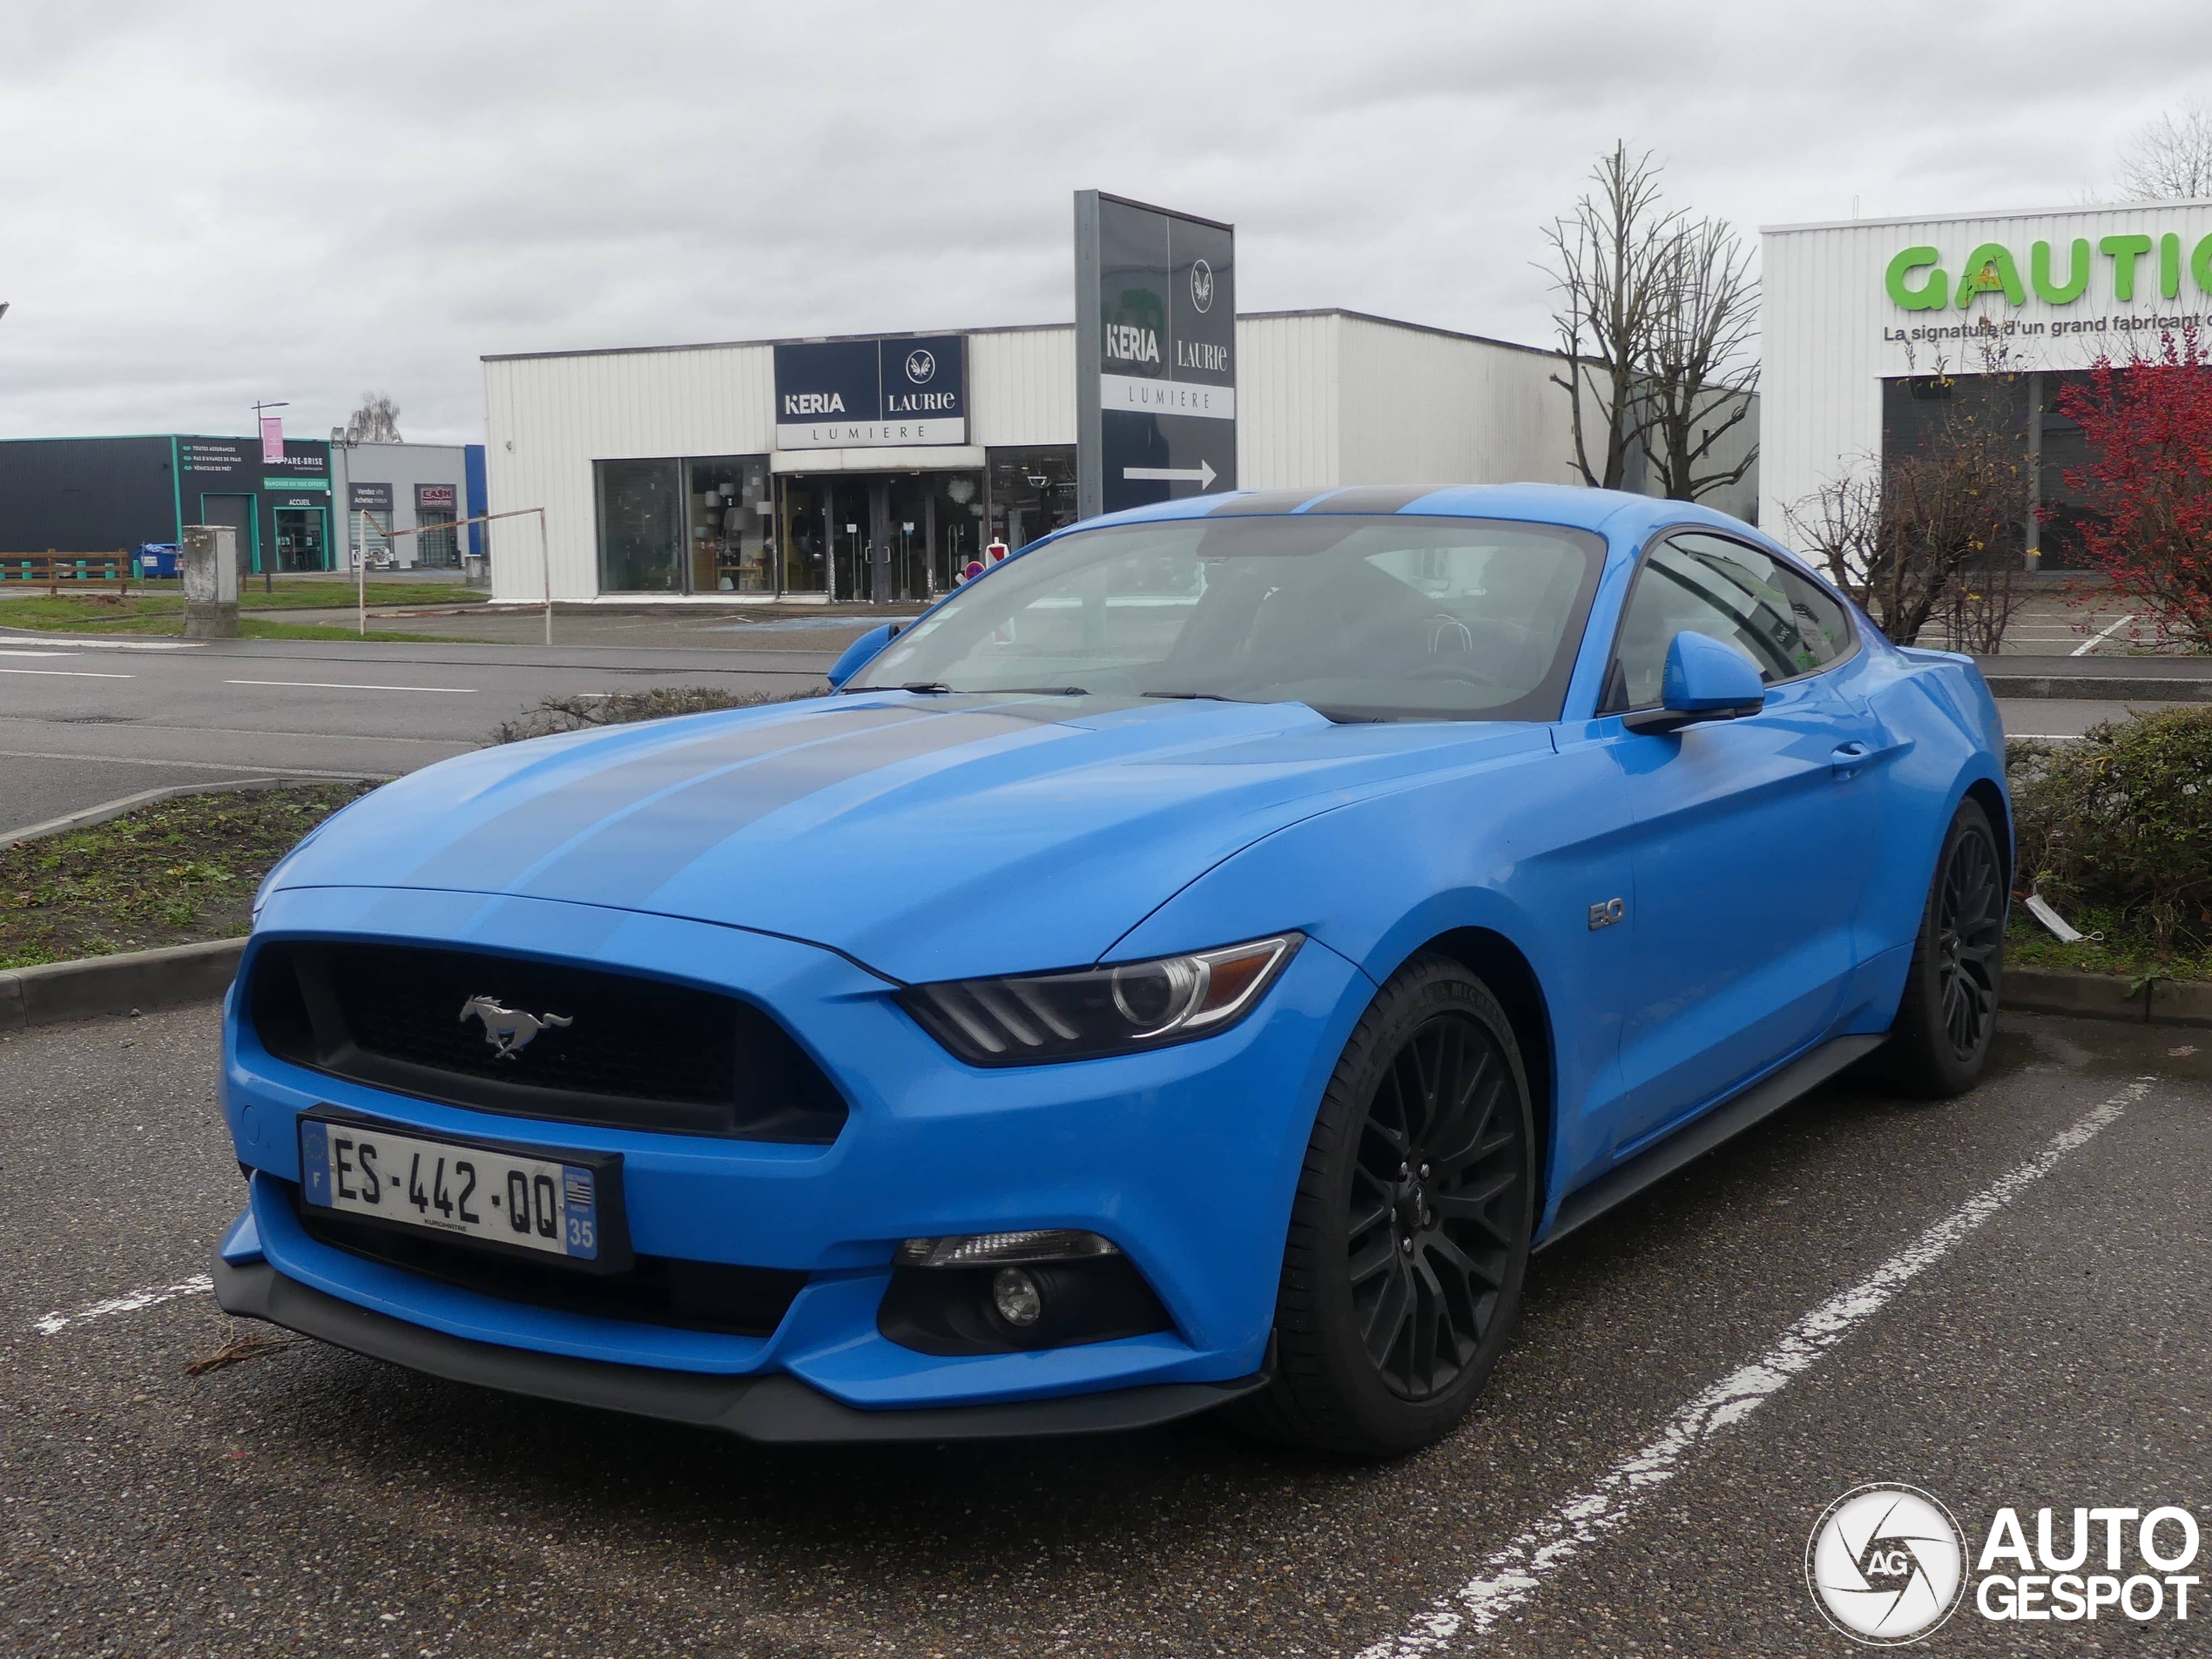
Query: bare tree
point(2170, 159)
point(1701, 368)
point(377, 420)
point(1927, 537)
point(1610, 267)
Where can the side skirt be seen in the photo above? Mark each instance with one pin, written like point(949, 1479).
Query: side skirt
point(1700, 1136)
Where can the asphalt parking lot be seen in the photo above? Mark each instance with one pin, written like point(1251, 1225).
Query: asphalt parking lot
point(2054, 1350)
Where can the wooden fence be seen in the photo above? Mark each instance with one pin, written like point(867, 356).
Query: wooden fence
point(75, 571)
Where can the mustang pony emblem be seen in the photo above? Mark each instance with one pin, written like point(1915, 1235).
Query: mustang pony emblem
point(508, 1030)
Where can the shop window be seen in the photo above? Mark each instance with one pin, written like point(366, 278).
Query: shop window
point(1033, 492)
point(732, 508)
point(370, 529)
point(641, 526)
point(439, 546)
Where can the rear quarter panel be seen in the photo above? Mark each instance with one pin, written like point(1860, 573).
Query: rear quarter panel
point(1939, 702)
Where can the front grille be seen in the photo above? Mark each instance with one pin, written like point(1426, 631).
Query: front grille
point(655, 1290)
point(635, 1054)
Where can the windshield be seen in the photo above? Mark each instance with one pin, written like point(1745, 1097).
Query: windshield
point(1359, 616)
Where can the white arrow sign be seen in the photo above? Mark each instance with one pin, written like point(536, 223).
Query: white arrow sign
point(1202, 474)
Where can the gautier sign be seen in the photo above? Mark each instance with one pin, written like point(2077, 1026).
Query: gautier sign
point(2123, 267)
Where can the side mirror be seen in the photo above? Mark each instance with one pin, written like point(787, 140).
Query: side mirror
point(861, 652)
point(1705, 680)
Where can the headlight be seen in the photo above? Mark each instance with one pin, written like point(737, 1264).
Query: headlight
point(1032, 1019)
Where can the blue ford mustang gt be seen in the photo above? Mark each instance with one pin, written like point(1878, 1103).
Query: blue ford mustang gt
point(1193, 965)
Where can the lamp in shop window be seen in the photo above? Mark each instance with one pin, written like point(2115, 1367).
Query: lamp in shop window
point(960, 491)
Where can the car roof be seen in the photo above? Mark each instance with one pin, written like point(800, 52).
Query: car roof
point(1616, 513)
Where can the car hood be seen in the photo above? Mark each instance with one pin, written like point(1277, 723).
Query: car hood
point(925, 837)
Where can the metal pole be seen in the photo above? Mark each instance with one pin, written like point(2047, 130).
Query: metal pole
point(545, 563)
point(361, 568)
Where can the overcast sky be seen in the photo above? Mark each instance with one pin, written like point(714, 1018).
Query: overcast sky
point(203, 206)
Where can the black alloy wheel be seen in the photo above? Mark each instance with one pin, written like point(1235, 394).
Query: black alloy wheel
point(1409, 1233)
point(1438, 1204)
point(1947, 1016)
point(1970, 938)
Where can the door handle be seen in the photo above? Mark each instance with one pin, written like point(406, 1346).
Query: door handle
point(1848, 760)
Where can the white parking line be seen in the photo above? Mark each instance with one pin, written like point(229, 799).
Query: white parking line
point(12, 655)
point(1511, 1576)
point(130, 1302)
point(348, 686)
point(2084, 650)
point(70, 673)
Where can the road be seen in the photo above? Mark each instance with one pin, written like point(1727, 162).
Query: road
point(84, 722)
point(2056, 1349)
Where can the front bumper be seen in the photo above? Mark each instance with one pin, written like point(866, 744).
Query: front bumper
point(1186, 1156)
point(775, 1407)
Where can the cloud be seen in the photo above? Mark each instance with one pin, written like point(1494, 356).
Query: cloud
point(204, 206)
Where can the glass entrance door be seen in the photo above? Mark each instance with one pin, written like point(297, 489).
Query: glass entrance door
point(301, 542)
point(927, 525)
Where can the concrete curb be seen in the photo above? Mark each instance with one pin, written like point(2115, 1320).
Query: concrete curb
point(2100, 688)
point(120, 984)
point(2104, 996)
point(108, 810)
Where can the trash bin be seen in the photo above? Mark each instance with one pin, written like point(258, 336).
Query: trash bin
point(157, 559)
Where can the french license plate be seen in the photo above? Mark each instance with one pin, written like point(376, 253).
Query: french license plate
point(467, 1191)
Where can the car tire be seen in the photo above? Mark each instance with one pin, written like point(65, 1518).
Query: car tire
point(1948, 1015)
point(1402, 1272)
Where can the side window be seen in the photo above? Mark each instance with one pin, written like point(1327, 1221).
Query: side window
point(1707, 585)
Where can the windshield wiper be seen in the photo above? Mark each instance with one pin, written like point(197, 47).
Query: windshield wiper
point(1196, 697)
point(937, 688)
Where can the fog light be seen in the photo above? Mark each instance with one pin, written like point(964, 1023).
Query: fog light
point(1020, 1301)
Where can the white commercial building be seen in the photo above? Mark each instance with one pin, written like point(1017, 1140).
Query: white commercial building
point(1874, 328)
point(674, 472)
point(403, 501)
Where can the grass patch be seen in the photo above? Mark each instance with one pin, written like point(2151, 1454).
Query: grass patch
point(165, 619)
point(174, 873)
point(162, 612)
point(553, 715)
point(288, 593)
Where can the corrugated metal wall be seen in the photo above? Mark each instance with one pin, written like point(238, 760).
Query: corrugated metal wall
point(1021, 386)
point(1420, 407)
point(1289, 405)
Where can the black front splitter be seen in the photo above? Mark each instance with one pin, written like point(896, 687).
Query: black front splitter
point(776, 1408)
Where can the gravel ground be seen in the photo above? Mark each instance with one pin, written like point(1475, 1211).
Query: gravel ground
point(309, 1501)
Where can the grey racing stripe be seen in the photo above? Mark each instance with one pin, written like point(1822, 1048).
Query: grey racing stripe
point(1372, 498)
point(543, 821)
point(1264, 503)
point(618, 866)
